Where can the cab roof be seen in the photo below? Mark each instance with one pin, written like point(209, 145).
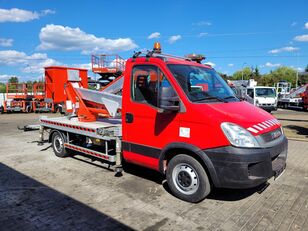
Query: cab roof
point(168, 59)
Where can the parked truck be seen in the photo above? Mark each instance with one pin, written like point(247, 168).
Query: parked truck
point(175, 116)
point(263, 97)
point(295, 99)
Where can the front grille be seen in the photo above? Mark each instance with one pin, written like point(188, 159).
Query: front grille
point(272, 135)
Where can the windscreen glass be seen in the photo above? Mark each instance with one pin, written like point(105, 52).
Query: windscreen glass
point(266, 92)
point(202, 84)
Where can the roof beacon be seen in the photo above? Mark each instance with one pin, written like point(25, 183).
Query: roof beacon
point(157, 48)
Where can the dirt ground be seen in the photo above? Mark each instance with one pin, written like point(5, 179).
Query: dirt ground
point(294, 122)
point(39, 191)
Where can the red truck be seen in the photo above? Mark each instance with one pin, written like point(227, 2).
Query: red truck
point(304, 96)
point(178, 117)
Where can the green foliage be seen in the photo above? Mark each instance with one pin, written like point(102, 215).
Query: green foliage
point(2, 88)
point(282, 73)
point(269, 79)
point(13, 79)
point(306, 69)
point(245, 74)
point(302, 79)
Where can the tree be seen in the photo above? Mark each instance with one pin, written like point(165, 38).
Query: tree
point(281, 73)
point(2, 88)
point(246, 73)
point(306, 69)
point(13, 79)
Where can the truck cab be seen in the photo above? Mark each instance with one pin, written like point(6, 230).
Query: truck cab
point(263, 97)
point(179, 117)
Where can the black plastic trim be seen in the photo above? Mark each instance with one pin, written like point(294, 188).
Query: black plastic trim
point(247, 167)
point(141, 149)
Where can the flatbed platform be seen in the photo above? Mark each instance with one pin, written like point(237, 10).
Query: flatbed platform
point(107, 129)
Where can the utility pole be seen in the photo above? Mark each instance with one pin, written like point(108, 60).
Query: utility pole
point(296, 71)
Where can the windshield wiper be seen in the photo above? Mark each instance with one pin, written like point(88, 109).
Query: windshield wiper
point(230, 97)
point(211, 97)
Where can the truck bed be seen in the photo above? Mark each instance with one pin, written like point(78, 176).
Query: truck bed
point(107, 129)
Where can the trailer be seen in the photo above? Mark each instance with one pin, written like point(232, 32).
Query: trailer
point(198, 136)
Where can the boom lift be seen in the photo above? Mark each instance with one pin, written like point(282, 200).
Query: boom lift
point(108, 66)
point(18, 98)
point(173, 115)
point(56, 78)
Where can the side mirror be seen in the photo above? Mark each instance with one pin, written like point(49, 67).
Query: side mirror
point(170, 103)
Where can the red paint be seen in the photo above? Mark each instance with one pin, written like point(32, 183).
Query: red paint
point(151, 128)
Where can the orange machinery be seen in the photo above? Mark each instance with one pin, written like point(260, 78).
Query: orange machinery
point(108, 66)
point(18, 98)
point(51, 96)
point(39, 104)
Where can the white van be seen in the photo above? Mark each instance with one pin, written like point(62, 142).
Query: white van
point(263, 97)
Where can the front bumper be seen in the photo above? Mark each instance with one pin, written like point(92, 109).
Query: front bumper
point(247, 167)
point(268, 108)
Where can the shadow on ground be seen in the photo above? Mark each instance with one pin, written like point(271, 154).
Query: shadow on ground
point(298, 129)
point(216, 194)
point(235, 194)
point(26, 204)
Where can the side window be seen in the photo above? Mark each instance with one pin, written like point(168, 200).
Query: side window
point(145, 84)
point(166, 92)
point(250, 93)
point(150, 85)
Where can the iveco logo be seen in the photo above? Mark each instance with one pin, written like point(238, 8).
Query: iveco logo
point(276, 134)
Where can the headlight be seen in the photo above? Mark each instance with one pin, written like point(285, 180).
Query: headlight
point(239, 136)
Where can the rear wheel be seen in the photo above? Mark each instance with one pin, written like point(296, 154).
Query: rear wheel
point(57, 141)
point(187, 179)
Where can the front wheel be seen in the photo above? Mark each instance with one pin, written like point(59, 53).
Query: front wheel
point(57, 141)
point(187, 179)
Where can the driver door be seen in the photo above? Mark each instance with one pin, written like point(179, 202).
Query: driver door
point(147, 128)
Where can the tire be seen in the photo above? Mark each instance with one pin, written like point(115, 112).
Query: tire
point(187, 179)
point(57, 142)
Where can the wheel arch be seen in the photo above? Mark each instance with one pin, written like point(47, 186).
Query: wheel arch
point(176, 148)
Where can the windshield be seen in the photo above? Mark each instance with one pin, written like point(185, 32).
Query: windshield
point(201, 83)
point(266, 92)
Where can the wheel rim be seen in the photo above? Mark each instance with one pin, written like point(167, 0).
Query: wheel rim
point(58, 143)
point(185, 179)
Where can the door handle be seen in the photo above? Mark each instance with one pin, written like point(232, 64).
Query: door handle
point(129, 118)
